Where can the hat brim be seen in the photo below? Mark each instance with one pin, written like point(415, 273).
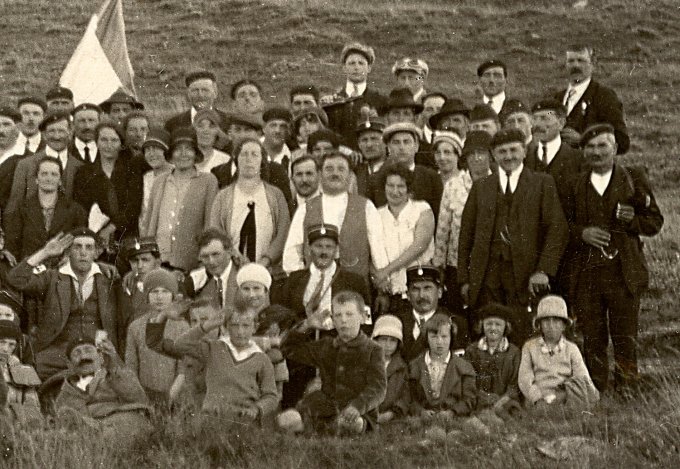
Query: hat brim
point(568, 321)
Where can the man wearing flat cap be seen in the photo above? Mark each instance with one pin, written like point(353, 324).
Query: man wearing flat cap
point(86, 118)
point(425, 289)
point(412, 74)
point(588, 101)
point(119, 105)
point(551, 154)
point(402, 142)
point(10, 152)
point(613, 206)
point(453, 116)
point(493, 78)
point(516, 115)
point(56, 129)
point(77, 298)
point(310, 290)
point(512, 236)
point(32, 110)
point(201, 93)
point(356, 101)
point(59, 99)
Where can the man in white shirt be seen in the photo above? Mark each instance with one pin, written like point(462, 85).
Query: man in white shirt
point(56, 129)
point(201, 94)
point(86, 117)
point(493, 78)
point(361, 238)
point(32, 110)
point(432, 104)
point(305, 179)
point(277, 123)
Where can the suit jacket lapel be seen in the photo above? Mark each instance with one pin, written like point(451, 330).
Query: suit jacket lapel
point(64, 293)
point(520, 193)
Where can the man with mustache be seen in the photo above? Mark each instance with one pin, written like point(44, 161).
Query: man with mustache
point(56, 129)
point(310, 290)
point(589, 102)
point(425, 289)
point(305, 180)
point(86, 117)
point(99, 390)
point(513, 234)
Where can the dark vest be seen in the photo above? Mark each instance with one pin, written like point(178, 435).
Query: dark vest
point(500, 249)
point(600, 211)
point(84, 320)
point(354, 248)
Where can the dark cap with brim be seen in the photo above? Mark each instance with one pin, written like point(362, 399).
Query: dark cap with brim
point(371, 125)
point(550, 105)
point(423, 273)
point(59, 92)
point(86, 107)
point(495, 310)
point(323, 231)
point(157, 137)
point(121, 97)
point(504, 136)
point(54, 117)
point(32, 100)
point(484, 66)
point(247, 120)
point(512, 106)
point(595, 130)
point(277, 113)
point(10, 330)
point(199, 75)
point(135, 246)
point(477, 140)
point(482, 112)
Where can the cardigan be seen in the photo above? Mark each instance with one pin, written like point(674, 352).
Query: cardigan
point(192, 219)
point(496, 373)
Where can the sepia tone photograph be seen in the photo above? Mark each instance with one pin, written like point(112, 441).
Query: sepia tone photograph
point(338, 234)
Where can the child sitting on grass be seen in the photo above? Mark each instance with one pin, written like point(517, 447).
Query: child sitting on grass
point(273, 322)
point(496, 361)
point(22, 380)
point(442, 385)
point(239, 377)
point(389, 335)
point(552, 370)
point(351, 367)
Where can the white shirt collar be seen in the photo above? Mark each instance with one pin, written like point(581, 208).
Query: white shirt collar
point(579, 88)
point(66, 269)
point(278, 158)
point(601, 181)
point(514, 177)
point(61, 155)
point(497, 103)
point(428, 359)
point(303, 200)
point(15, 149)
point(553, 147)
point(315, 272)
point(339, 198)
point(419, 95)
point(423, 317)
point(240, 355)
point(80, 145)
point(349, 88)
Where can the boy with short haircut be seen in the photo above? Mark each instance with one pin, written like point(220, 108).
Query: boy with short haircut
point(351, 366)
point(156, 372)
point(552, 370)
point(239, 377)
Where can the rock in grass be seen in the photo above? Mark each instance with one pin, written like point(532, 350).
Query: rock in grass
point(569, 447)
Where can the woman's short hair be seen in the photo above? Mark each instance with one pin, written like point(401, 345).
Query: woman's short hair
point(136, 114)
point(437, 321)
point(397, 169)
point(108, 124)
point(48, 159)
point(264, 164)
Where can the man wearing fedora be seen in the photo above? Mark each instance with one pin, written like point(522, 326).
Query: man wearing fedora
point(454, 116)
point(513, 233)
point(119, 105)
point(613, 206)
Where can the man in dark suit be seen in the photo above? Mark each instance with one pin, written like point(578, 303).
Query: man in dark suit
point(10, 152)
point(32, 110)
point(516, 115)
point(356, 101)
point(425, 289)
point(493, 78)
point(551, 154)
point(613, 207)
point(454, 116)
point(77, 298)
point(201, 93)
point(402, 141)
point(311, 290)
point(513, 233)
point(57, 132)
point(373, 150)
point(589, 102)
point(86, 118)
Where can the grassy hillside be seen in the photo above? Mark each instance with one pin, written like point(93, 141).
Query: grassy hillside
point(284, 42)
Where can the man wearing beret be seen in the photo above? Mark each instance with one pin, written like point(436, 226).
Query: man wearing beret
point(402, 141)
point(356, 101)
point(493, 76)
point(59, 99)
point(201, 94)
point(512, 236)
point(77, 298)
point(32, 110)
point(613, 206)
point(588, 101)
point(310, 290)
point(10, 151)
point(425, 289)
point(86, 118)
point(515, 115)
point(56, 129)
point(550, 154)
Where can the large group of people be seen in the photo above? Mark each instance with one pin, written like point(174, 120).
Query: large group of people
point(346, 261)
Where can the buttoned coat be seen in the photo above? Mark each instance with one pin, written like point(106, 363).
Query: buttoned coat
point(537, 229)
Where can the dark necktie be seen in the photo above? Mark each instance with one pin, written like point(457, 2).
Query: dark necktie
point(87, 154)
point(315, 299)
point(220, 291)
point(544, 156)
point(508, 188)
point(246, 244)
point(285, 161)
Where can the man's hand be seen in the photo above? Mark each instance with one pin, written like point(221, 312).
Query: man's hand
point(625, 212)
point(316, 319)
point(539, 284)
point(10, 257)
point(216, 320)
point(250, 413)
point(57, 245)
point(111, 358)
point(106, 233)
point(349, 414)
point(382, 304)
point(571, 136)
point(465, 293)
point(239, 259)
point(178, 307)
point(596, 237)
point(384, 417)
